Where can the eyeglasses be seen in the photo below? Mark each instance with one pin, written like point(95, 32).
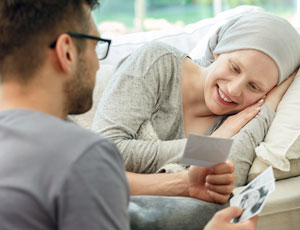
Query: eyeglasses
point(102, 46)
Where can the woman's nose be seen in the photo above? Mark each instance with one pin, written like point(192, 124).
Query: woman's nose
point(235, 88)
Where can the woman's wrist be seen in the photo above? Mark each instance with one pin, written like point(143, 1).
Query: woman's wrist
point(176, 184)
point(160, 184)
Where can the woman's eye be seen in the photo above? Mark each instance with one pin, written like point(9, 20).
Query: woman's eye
point(253, 86)
point(235, 69)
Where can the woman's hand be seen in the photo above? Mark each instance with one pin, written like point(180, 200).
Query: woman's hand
point(213, 184)
point(233, 124)
point(275, 95)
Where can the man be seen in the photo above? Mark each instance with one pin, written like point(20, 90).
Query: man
point(53, 174)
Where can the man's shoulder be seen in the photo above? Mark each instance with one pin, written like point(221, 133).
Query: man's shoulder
point(55, 144)
point(48, 131)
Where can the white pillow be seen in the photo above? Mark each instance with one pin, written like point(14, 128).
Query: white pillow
point(185, 39)
point(282, 141)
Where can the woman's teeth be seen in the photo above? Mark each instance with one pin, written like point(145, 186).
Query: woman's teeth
point(223, 96)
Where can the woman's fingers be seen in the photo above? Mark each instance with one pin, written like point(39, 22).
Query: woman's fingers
point(275, 95)
point(225, 167)
point(221, 189)
point(221, 179)
point(233, 124)
point(217, 197)
point(247, 114)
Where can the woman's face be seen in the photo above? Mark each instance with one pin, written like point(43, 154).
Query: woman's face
point(238, 79)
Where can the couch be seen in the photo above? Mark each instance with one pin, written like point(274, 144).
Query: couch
point(282, 210)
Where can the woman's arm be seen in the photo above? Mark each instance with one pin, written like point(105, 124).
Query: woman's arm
point(242, 152)
point(138, 92)
point(212, 184)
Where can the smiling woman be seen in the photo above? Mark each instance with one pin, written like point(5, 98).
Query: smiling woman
point(160, 86)
point(232, 84)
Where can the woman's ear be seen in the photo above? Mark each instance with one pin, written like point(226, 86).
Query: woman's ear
point(65, 53)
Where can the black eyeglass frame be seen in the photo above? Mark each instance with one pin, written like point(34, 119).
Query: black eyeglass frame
point(86, 36)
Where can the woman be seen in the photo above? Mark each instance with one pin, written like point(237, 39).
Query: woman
point(161, 86)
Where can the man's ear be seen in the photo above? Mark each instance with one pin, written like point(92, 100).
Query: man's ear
point(65, 52)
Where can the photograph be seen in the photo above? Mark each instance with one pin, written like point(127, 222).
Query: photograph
point(264, 178)
point(251, 201)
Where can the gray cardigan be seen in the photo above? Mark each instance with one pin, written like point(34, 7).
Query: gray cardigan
point(146, 88)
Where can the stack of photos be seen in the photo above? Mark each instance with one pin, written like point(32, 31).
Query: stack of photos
point(253, 197)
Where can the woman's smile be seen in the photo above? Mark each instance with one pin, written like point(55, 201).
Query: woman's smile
point(223, 98)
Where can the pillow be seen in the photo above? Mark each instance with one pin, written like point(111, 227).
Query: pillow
point(184, 39)
point(282, 142)
point(259, 166)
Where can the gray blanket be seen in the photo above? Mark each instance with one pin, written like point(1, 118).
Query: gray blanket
point(169, 213)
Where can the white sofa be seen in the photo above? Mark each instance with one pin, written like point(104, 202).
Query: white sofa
point(282, 210)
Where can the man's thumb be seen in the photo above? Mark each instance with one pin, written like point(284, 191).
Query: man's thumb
point(231, 212)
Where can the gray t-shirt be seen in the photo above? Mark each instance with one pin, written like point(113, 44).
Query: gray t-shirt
point(146, 88)
point(56, 175)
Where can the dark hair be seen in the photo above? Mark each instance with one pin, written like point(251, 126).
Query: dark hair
point(27, 27)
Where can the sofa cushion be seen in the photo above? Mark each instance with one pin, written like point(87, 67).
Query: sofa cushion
point(259, 166)
point(283, 207)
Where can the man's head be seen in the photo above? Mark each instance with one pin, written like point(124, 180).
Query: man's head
point(28, 27)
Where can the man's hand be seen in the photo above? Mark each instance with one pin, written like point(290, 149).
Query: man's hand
point(213, 184)
point(221, 220)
